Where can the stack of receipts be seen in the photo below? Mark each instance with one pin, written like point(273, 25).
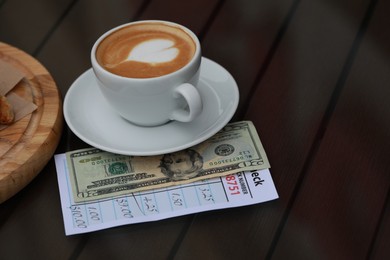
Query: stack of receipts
point(100, 190)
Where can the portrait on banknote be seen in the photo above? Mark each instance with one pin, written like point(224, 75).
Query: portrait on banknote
point(183, 165)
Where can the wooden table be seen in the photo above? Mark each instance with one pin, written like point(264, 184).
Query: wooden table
point(314, 77)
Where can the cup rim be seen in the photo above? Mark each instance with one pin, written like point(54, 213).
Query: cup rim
point(96, 64)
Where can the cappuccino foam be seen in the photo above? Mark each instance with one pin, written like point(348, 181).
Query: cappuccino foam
point(145, 50)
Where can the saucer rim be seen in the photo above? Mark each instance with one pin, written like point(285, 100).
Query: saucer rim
point(226, 117)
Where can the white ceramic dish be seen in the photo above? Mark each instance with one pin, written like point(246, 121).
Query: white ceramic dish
point(91, 118)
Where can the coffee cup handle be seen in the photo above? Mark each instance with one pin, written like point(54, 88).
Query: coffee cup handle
point(194, 102)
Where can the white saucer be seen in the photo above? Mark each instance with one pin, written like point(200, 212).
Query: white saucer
point(91, 118)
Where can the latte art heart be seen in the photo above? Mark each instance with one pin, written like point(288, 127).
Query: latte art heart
point(154, 51)
point(146, 50)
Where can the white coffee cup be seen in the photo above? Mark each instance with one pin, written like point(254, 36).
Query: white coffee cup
point(156, 100)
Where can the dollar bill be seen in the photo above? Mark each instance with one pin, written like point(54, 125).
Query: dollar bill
point(96, 174)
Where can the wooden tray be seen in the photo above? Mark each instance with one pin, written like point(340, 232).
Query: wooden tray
point(28, 144)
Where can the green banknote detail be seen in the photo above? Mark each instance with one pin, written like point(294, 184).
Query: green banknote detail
point(96, 174)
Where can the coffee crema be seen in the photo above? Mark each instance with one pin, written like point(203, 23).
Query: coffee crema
point(145, 50)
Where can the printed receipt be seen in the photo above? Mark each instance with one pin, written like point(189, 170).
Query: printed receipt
point(235, 190)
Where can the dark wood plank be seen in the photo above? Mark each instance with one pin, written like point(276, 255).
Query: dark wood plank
point(287, 108)
point(153, 240)
point(192, 14)
point(25, 24)
point(344, 192)
point(380, 249)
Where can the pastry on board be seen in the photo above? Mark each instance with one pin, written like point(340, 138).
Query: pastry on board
point(6, 111)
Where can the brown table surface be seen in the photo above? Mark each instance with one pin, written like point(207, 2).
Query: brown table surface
point(314, 77)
